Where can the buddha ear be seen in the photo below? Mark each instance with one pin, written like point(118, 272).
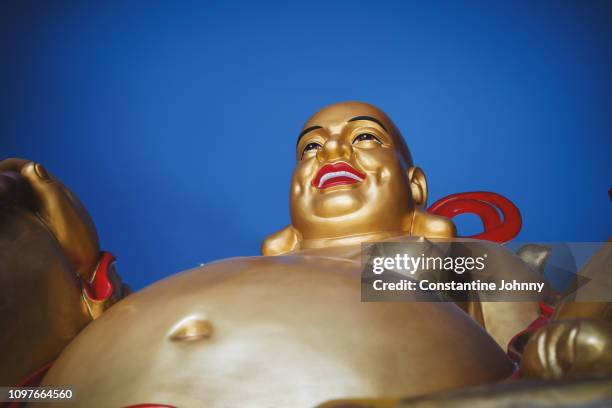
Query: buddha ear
point(418, 186)
point(281, 242)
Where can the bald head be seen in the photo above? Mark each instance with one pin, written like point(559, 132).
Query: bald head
point(335, 117)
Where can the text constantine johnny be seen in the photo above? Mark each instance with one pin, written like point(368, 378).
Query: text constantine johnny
point(477, 285)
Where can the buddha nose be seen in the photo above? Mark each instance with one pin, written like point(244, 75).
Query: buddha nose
point(335, 149)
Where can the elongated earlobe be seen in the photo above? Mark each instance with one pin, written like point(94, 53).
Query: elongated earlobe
point(286, 240)
point(418, 186)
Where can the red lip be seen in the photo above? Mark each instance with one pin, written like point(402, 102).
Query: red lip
point(336, 174)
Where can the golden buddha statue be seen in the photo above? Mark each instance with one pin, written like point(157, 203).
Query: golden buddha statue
point(286, 329)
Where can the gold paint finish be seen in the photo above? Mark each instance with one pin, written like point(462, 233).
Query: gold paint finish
point(389, 202)
point(523, 394)
point(578, 341)
point(62, 212)
point(360, 403)
point(289, 331)
point(191, 329)
point(48, 253)
point(569, 349)
point(40, 306)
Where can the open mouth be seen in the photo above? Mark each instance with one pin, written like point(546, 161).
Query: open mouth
point(337, 174)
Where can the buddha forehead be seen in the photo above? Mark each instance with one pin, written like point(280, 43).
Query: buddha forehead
point(334, 118)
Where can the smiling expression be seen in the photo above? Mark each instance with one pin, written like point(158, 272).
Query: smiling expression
point(337, 174)
point(350, 177)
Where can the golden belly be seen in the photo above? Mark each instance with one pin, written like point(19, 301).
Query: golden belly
point(288, 331)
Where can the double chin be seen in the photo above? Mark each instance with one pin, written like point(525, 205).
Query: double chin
point(373, 205)
point(337, 204)
point(346, 218)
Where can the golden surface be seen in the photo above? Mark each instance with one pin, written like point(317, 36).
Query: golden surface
point(571, 348)
point(40, 306)
point(62, 213)
point(524, 394)
point(286, 331)
point(48, 251)
point(578, 341)
point(389, 202)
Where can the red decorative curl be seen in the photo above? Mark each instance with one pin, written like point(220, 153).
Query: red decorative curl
point(101, 288)
point(486, 206)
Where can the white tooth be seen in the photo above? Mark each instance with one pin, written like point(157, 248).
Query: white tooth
point(334, 174)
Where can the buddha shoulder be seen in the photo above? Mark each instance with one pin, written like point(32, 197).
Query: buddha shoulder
point(432, 226)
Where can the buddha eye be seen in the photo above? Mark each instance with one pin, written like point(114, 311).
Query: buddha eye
point(310, 146)
point(365, 137)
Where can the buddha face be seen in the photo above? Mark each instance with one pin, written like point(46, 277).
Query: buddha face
point(352, 174)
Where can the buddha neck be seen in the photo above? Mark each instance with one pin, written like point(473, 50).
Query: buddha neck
point(314, 243)
point(404, 228)
point(419, 223)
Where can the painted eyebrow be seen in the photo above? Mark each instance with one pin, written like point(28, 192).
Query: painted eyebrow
point(309, 129)
point(371, 119)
